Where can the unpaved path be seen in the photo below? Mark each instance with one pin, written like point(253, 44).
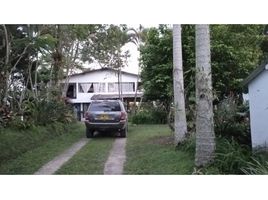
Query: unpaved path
point(117, 157)
point(53, 165)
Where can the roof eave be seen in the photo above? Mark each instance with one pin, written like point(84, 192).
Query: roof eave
point(254, 74)
point(102, 69)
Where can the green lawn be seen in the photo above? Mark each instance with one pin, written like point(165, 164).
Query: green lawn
point(34, 156)
point(90, 159)
point(150, 150)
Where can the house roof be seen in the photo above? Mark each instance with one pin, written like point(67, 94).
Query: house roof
point(102, 69)
point(255, 73)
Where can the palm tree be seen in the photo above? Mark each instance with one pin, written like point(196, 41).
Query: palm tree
point(205, 137)
point(180, 124)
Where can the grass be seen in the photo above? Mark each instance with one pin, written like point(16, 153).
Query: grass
point(150, 150)
point(29, 150)
point(90, 159)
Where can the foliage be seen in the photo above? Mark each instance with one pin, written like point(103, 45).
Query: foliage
point(230, 158)
point(187, 145)
point(105, 46)
point(231, 121)
point(156, 63)
point(256, 167)
point(6, 116)
point(150, 114)
point(235, 51)
point(44, 112)
point(233, 138)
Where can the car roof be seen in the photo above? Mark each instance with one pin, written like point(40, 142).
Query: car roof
point(107, 101)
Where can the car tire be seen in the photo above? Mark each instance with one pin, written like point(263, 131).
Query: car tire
point(123, 133)
point(89, 133)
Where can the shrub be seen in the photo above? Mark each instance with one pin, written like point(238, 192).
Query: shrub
point(258, 163)
point(150, 116)
point(44, 112)
point(142, 117)
point(6, 116)
point(256, 167)
point(188, 145)
point(231, 123)
point(230, 157)
point(18, 123)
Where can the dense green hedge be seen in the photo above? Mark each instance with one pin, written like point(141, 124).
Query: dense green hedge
point(152, 116)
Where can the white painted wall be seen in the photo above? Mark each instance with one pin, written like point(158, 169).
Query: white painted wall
point(104, 76)
point(258, 102)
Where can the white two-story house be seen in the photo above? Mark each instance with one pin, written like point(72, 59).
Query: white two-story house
point(101, 84)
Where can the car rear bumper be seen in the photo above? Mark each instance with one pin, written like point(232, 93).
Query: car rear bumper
point(105, 126)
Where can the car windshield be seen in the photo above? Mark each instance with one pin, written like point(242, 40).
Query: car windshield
point(105, 106)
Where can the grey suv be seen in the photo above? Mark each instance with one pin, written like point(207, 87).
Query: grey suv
point(106, 115)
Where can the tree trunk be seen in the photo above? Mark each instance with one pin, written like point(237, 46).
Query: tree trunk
point(205, 137)
point(180, 124)
point(118, 84)
point(136, 93)
point(4, 74)
point(57, 58)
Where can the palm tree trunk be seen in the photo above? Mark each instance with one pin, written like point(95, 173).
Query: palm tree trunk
point(205, 137)
point(180, 124)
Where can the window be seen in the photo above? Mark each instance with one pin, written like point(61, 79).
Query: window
point(105, 106)
point(91, 87)
point(112, 87)
point(71, 91)
point(126, 87)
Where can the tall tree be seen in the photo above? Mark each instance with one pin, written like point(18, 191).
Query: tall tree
point(205, 137)
point(156, 64)
point(180, 124)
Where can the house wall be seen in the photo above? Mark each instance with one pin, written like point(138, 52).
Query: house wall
point(258, 102)
point(105, 76)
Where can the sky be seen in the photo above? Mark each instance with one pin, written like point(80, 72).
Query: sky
point(133, 63)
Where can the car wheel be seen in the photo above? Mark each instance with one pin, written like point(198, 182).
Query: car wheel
point(89, 133)
point(123, 133)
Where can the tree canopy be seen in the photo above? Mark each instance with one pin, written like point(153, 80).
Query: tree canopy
point(235, 51)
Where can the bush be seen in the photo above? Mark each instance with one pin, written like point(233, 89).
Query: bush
point(188, 145)
point(230, 157)
point(44, 112)
point(256, 167)
point(150, 116)
point(6, 116)
point(231, 123)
